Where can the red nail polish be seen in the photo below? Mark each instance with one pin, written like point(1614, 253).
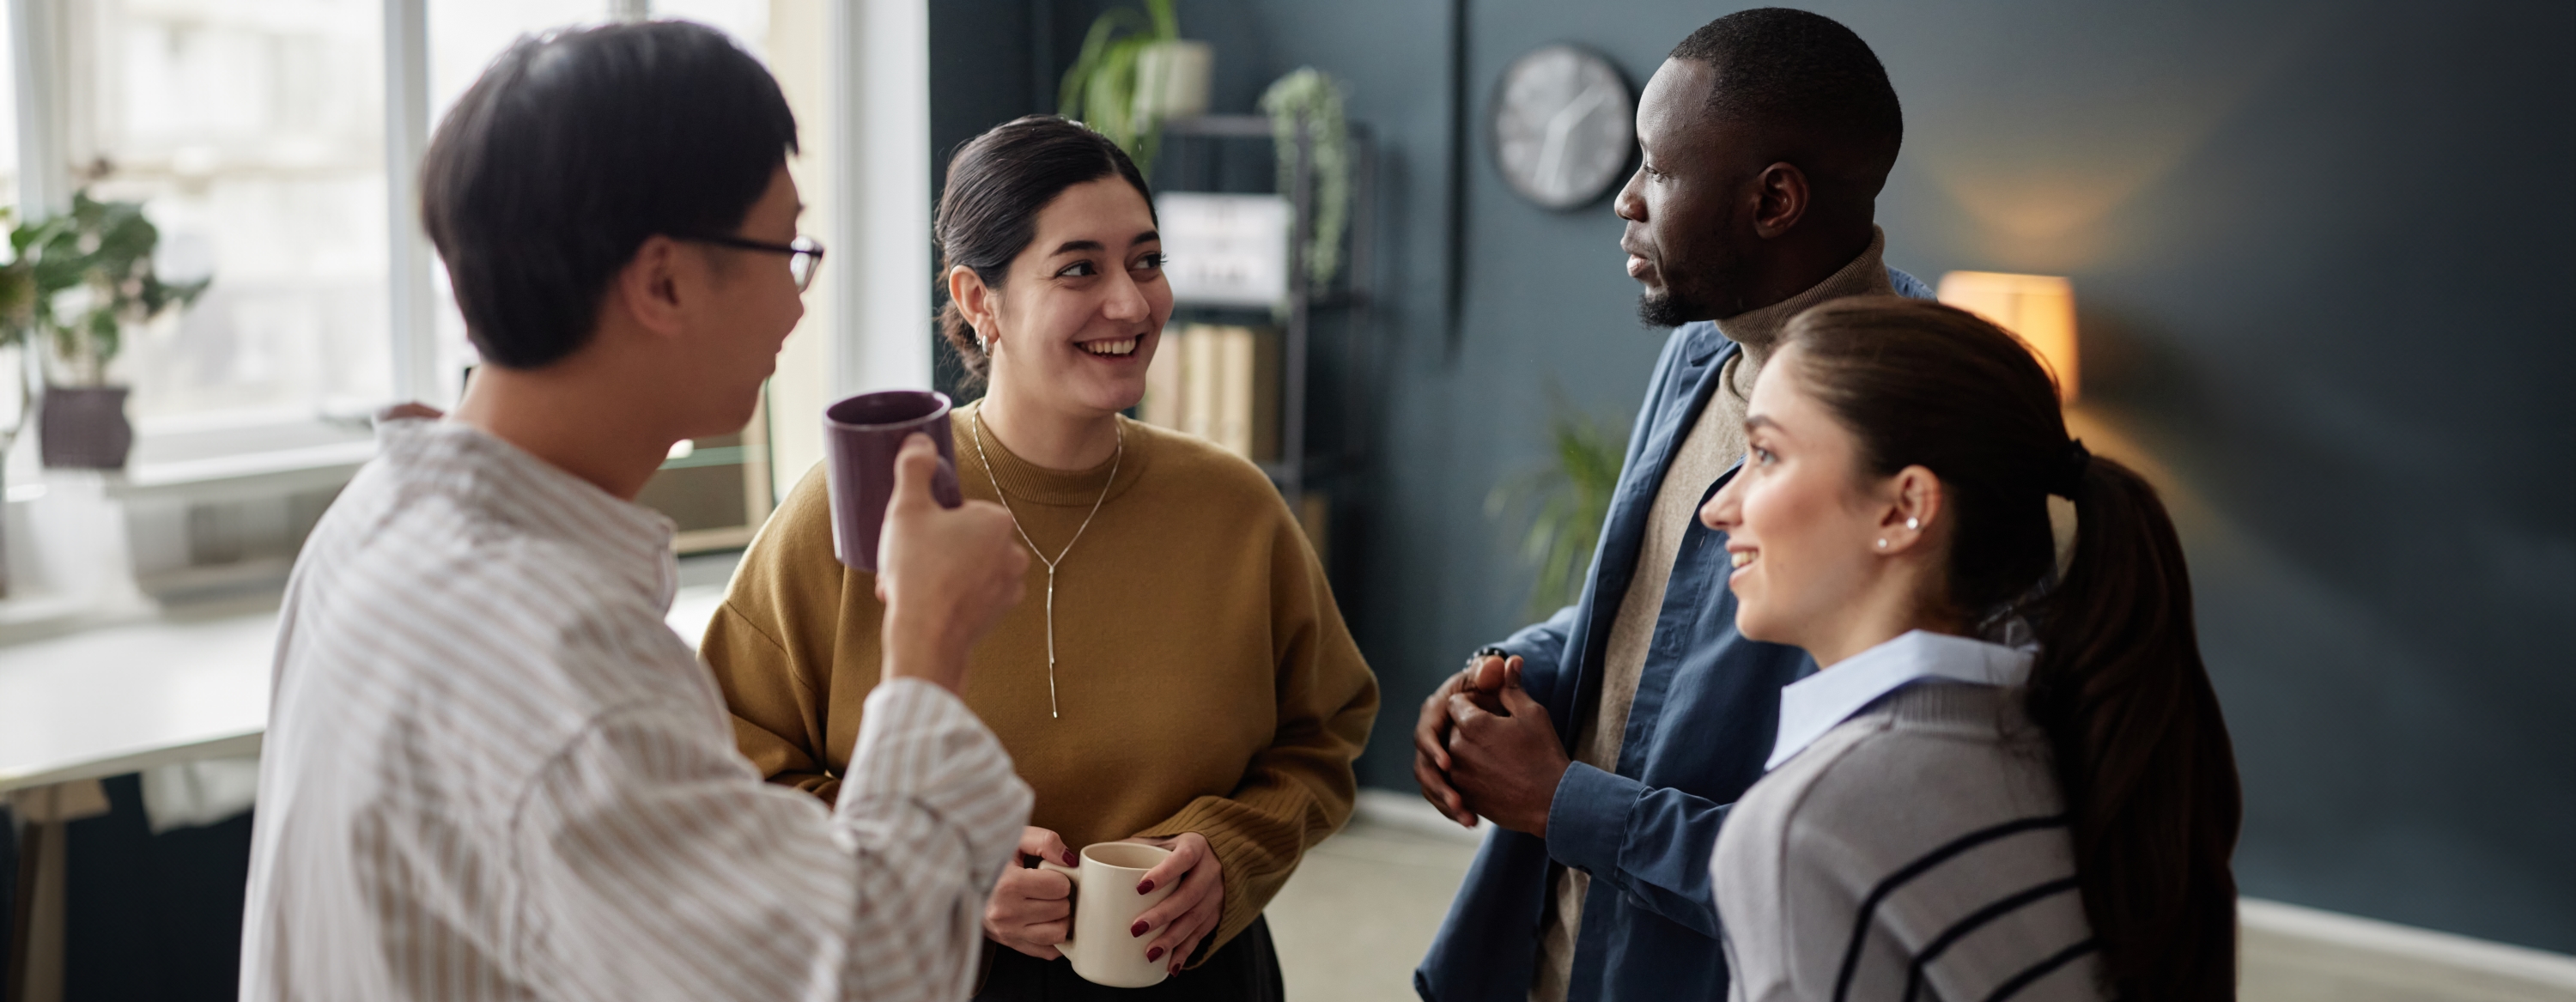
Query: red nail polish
point(1145, 887)
point(1154, 954)
point(1070, 860)
point(1138, 929)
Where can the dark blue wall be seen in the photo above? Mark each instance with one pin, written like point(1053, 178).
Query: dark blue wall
point(2321, 257)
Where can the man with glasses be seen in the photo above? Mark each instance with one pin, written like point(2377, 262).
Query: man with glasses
point(491, 772)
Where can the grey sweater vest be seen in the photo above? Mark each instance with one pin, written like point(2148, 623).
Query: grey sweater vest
point(1916, 851)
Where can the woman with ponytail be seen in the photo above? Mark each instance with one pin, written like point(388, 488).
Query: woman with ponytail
point(2009, 779)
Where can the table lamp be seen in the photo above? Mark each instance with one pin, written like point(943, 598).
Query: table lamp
point(2039, 308)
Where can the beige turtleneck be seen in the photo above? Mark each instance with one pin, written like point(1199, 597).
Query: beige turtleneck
point(1706, 452)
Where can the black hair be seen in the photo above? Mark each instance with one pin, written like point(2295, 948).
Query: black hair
point(1802, 72)
point(2138, 742)
point(997, 182)
point(573, 148)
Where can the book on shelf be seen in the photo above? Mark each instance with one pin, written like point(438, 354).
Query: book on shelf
point(1219, 382)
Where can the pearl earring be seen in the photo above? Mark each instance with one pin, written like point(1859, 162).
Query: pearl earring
point(1912, 524)
point(1882, 544)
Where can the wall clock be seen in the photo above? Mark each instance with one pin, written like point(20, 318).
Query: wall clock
point(1564, 125)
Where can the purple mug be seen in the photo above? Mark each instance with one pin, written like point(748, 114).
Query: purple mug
point(861, 435)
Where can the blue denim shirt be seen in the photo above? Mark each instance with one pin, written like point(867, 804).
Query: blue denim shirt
point(1707, 703)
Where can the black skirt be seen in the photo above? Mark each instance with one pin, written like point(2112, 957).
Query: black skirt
point(1246, 970)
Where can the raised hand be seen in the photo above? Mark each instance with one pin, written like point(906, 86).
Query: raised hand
point(946, 575)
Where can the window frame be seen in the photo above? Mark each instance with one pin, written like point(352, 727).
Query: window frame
point(877, 63)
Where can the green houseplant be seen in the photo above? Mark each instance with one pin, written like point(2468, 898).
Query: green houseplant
point(1309, 99)
point(74, 284)
point(1567, 501)
point(1134, 71)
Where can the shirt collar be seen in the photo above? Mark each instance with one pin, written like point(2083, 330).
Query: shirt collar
point(499, 480)
point(1813, 705)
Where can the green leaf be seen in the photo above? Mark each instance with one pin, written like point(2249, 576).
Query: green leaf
point(106, 246)
point(1099, 89)
point(1568, 502)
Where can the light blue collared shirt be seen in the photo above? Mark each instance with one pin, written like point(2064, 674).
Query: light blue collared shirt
point(1813, 705)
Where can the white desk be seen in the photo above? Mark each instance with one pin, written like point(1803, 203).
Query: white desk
point(127, 698)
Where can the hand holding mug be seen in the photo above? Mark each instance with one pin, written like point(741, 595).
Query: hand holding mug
point(1197, 903)
point(1106, 944)
point(946, 575)
point(1031, 909)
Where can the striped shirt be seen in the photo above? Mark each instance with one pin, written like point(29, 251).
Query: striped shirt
point(492, 772)
point(1916, 849)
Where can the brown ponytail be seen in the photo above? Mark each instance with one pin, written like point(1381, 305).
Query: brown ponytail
point(2140, 747)
point(997, 184)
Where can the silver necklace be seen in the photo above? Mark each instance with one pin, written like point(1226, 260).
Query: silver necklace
point(1114, 459)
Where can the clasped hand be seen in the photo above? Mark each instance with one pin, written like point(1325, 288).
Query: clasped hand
point(1031, 910)
point(1483, 746)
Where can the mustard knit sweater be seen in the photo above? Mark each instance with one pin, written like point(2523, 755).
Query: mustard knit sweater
point(1204, 676)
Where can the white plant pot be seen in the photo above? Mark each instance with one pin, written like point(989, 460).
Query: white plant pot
point(1172, 79)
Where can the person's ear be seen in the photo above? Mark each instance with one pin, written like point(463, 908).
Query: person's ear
point(977, 302)
point(649, 286)
point(1914, 501)
point(1783, 199)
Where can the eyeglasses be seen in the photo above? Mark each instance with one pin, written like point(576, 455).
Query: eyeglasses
point(804, 256)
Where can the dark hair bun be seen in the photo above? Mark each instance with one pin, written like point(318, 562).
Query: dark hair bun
point(997, 184)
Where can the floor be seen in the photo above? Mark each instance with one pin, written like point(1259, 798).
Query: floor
point(1361, 910)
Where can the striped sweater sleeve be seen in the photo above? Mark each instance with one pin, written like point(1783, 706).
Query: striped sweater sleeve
point(658, 866)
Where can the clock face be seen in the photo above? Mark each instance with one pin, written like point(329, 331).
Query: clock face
point(1564, 124)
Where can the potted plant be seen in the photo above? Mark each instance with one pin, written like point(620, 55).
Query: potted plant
point(1567, 501)
point(76, 282)
point(1309, 101)
point(1134, 71)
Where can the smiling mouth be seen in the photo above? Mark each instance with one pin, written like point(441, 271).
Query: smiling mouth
point(1739, 558)
point(1113, 348)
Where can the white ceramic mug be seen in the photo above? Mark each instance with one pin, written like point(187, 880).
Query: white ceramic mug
point(1101, 948)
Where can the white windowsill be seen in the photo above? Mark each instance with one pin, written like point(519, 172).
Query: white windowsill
point(245, 474)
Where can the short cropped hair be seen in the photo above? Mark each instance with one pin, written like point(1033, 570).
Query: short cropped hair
point(1778, 68)
point(573, 148)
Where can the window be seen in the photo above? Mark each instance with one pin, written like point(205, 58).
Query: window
point(253, 132)
point(256, 134)
point(8, 121)
point(466, 35)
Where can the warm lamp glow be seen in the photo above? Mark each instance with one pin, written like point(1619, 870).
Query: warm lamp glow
point(2040, 308)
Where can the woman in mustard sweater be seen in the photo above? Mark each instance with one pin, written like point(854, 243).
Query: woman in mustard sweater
point(1178, 675)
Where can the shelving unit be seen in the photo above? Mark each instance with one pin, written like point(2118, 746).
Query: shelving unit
point(1190, 160)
